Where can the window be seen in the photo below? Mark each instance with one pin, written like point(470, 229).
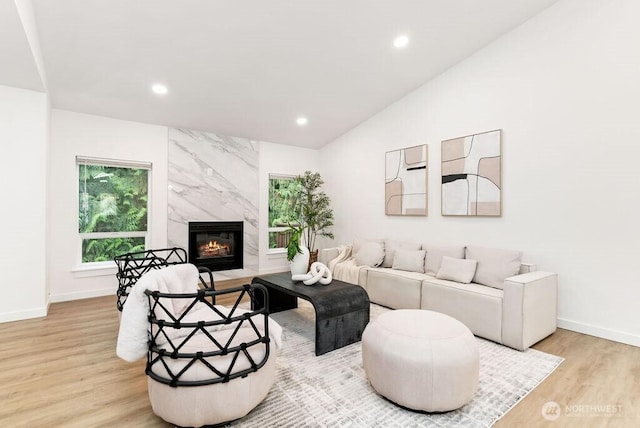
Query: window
point(113, 208)
point(283, 208)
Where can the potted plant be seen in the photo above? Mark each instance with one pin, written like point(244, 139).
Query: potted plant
point(316, 216)
point(293, 244)
point(297, 254)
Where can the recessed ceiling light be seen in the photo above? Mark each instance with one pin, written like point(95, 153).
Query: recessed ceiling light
point(301, 121)
point(159, 89)
point(401, 41)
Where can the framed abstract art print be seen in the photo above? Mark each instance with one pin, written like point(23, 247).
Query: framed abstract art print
point(472, 175)
point(406, 181)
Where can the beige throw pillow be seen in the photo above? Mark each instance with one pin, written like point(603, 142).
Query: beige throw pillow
point(435, 254)
point(409, 260)
point(370, 254)
point(458, 270)
point(390, 247)
point(359, 242)
point(494, 266)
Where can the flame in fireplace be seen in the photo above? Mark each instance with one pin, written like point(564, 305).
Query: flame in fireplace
point(214, 249)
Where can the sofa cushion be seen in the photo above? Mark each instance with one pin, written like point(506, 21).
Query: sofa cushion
point(390, 247)
point(494, 265)
point(477, 306)
point(370, 254)
point(434, 256)
point(409, 260)
point(458, 270)
point(395, 289)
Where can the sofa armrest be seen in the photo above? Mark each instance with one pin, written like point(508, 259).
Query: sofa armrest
point(325, 255)
point(529, 308)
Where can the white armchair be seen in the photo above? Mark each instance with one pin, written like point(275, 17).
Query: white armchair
point(206, 364)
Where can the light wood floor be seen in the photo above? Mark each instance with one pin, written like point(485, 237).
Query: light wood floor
point(62, 371)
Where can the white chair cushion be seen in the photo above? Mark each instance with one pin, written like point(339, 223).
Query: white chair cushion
point(216, 403)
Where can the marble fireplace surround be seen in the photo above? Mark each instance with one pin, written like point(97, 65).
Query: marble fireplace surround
point(213, 177)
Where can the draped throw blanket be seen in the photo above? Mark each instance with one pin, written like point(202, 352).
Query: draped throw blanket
point(133, 335)
point(344, 266)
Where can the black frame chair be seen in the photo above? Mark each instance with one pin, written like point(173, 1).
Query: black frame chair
point(161, 352)
point(131, 266)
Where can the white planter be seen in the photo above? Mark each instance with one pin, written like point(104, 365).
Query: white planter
point(300, 262)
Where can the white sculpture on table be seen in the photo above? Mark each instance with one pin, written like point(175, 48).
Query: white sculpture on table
point(318, 272)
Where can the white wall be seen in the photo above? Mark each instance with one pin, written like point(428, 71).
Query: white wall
point(24, 135)
point(75, 134)
point(286, 160)
point(564, 89)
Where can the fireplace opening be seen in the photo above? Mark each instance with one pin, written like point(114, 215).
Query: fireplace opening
point(217, 245)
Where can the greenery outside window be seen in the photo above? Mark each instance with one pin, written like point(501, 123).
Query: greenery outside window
point(284, 209)
point(113, 198)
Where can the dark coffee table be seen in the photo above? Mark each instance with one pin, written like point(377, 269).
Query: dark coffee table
point(342, 309)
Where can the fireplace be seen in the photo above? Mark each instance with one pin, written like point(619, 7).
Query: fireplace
point(217, 245)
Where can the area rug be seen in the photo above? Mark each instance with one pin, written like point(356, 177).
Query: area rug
point(332, 390)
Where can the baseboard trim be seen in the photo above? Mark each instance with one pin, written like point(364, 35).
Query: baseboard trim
point(604, 333)
point(23, 315)
point(65, 297)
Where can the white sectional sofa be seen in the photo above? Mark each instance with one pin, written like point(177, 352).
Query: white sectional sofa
point(490, 290)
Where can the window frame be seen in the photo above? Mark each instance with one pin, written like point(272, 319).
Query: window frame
point(81, 236)
point(270, 229)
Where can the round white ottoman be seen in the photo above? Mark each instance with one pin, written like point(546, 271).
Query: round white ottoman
point(422, 360)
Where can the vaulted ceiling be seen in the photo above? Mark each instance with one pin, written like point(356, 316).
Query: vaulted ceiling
point(246, 68)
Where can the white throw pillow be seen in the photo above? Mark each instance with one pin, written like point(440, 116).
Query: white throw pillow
point(359, 242)
point(370, 254)
point(390, 247)
point(409, 260)
point(494, 266)
point(434, 256)
point(458, 270)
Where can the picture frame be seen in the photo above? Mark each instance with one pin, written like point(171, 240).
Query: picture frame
point(471, 170)
point(406, 181)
